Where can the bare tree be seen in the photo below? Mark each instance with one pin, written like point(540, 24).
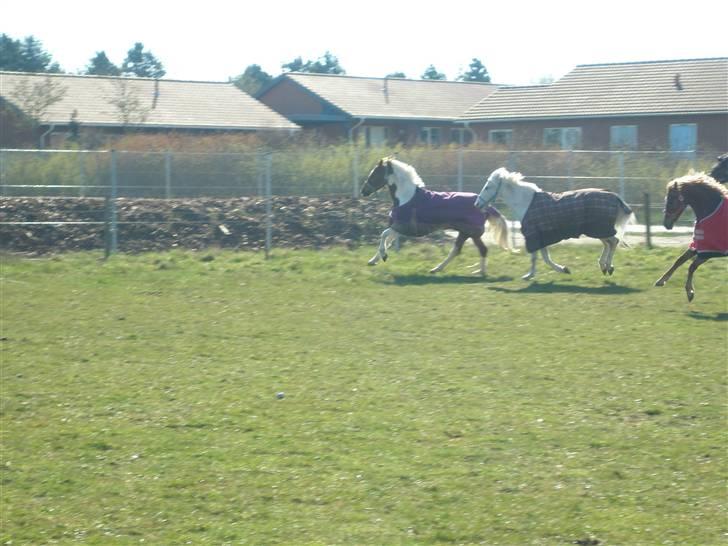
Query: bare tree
point(35, 99)
point(128, 104)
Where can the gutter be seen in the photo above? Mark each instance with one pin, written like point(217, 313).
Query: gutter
point(51, 128)
point(354, 128)
point(466, 126)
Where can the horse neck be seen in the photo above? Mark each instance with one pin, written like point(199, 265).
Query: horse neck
point(403, 188)
point(518, 198)
point(703, 200)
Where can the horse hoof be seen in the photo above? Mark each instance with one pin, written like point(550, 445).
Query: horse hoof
point(566, 270)
point(691, 295)
point(610, 270)
point(384, 258)
point(371, 263)
point(528, 276)
point(660, 282)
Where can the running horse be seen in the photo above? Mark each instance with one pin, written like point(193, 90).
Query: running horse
point(709, 201)
point(547, 218)
point(417, 211)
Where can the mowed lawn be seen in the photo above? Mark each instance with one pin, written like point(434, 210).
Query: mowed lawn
point(308, 399)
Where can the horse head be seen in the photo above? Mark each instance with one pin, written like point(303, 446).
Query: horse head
point(674, 204)
point(378, 177)
point(720, 169)
point(492, 188)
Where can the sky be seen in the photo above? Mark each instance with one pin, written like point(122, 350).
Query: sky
point(520, 42)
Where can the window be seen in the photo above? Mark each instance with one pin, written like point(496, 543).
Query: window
point(376, 136)
point(461, 136)
point(501, 137)
point(623, 137)
point(430, 136)
point(565, 138)
point(683, 137)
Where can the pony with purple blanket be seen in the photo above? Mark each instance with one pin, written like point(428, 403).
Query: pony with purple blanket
point(417, 211)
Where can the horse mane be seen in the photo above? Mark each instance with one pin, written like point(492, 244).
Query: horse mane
point(515, 178)
point(696, 180)
point(403, 169)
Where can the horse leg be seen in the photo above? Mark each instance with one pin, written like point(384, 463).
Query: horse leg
point(532, 273)
point(604, 258)
point(483, 255)
point(611, 246)
point(454, 251)
point(382, 250)
point(556, 267)
point(697, 262)
point(689, 253)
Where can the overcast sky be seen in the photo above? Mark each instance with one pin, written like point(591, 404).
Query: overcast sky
point(518, 41)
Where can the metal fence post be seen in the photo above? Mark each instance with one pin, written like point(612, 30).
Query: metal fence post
point(268, 204)
point(168, 175)
point(648, 221)
point(621, 174)
point(3, 172)
point(113, 219)
point(460, 169)
point(355, 172)
point(570, 168)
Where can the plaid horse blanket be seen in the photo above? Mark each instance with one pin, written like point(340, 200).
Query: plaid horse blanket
point(430, 211)
point(553, 217)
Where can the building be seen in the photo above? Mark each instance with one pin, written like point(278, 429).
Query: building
point(678, 105)
point(376, 111)
point(45, 109)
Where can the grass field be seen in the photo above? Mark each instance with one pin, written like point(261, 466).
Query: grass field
point(139, 400)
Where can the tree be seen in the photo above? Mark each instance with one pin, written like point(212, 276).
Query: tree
point(396, 75)
point(142, 63)
point(327, 64)
point(432, 74)
point(252, 80)
point(100, 65)
point(128, 105)
point(25, 55)
point(35, 99)
point(477, 73)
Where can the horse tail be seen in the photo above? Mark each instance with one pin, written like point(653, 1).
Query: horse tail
point(498, 227)
point(625, 216)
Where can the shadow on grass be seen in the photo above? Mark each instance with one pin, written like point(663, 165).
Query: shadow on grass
point(555, 288)
point(422, 279)
point(718, 317)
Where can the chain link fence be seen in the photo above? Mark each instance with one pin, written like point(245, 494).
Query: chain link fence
point(334, 172)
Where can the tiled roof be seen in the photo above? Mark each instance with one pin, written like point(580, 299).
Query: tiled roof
point(162, 103)
point(698, 86)
point(394, 98)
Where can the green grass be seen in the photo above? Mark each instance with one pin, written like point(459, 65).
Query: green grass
point(139, 400)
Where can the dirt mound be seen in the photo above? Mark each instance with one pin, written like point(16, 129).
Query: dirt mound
point(65, 224)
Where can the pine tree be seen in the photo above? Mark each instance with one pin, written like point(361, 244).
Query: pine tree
point(477, 73)
point(142, 63)
point(432, 74)
point(100, 65)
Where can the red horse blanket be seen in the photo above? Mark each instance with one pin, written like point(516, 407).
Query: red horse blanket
point(710, 234)
point(430, 211)
point(553, 217)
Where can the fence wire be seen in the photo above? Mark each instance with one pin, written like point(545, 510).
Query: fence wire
point(336, 172)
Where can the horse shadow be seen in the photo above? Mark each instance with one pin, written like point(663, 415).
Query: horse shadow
point(718, 317)
point(551, 287)
point(422, 279)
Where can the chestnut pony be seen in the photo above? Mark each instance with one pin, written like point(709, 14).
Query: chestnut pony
point(709, 201)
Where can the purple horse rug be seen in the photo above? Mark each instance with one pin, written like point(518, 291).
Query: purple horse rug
point(430, 211)
point(553, 217)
